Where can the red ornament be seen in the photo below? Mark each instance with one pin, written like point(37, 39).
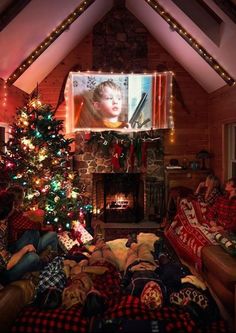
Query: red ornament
point(70, 215)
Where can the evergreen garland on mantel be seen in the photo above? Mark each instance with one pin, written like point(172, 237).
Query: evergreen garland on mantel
point(120, 146)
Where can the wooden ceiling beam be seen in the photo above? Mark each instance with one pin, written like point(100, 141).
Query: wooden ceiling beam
point(11, 12)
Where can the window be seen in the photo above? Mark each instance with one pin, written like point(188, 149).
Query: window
point(232, 150)
point(3, 135)
point(202, 15)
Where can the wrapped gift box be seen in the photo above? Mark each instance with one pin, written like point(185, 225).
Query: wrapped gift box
point(66, 242)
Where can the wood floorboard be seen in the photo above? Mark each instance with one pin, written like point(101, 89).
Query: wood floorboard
point(126, 225)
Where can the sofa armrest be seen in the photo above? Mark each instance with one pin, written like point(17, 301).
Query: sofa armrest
point(13, 298)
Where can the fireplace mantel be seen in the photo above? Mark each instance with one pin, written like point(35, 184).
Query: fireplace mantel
point(91, 159)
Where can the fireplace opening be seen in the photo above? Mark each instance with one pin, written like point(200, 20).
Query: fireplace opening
point(119, 197)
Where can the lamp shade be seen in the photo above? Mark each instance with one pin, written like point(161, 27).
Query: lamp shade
point(203, 154)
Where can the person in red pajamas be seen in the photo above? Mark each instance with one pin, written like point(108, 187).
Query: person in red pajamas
point(222, 215)
point(21, 229)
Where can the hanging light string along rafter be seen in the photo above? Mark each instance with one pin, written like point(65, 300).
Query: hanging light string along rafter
point(49, 40)
point(175, 26)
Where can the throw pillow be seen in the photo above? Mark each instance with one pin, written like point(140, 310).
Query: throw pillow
point(120, 250)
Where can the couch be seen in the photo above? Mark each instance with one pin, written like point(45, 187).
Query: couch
point(24, 317)
point(219, 271)
point(201, 252)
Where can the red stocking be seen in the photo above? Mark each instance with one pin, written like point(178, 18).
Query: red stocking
point(116, 155)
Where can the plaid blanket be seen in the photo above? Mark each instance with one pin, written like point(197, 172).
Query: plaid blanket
point(33, 320)
point(52, 276)
point(171, 318)
point(108, 284)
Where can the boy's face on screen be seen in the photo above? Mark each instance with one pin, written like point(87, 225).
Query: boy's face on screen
point(110, 103)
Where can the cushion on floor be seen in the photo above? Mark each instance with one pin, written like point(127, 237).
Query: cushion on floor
point(120, 250)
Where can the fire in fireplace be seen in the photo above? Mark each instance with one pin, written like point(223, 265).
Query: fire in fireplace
point(119, 197)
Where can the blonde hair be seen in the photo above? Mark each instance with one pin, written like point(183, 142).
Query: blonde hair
point(215, 180)
point(99, 90)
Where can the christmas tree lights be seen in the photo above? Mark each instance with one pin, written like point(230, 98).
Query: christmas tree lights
point(38, 157)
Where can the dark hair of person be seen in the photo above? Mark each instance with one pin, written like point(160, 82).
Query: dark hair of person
point(18, 192)
point(95, 304)
point(6, 204)
point(233, 181)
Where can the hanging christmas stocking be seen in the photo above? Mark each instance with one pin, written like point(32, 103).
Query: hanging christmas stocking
point(116, 156)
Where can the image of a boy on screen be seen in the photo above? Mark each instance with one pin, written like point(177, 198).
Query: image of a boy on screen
point(124, 102)
point(101, 102)
point(107, 101)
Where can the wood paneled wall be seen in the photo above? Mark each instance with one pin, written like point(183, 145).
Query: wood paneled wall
point(10, 99)
point(222, 111)
point(198, 116)
point(190, 102)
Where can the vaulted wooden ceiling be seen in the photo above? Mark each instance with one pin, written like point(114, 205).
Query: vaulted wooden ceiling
point(35, 35)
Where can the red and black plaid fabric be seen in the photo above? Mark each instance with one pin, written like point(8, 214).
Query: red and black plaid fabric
point(33, 320)
point(224, 212)
point(173, 319)
point(18, 223)
point(108, 284)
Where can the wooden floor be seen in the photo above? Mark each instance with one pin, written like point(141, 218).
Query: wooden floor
point(126, 225)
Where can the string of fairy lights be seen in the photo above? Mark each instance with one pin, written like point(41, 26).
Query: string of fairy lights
point(170, 122)
point(154, 4)
point(65, 24)
point(176, 26)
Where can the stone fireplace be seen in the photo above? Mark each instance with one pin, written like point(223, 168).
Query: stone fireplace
point(125, 194)
point(127, 52)
point(118, 197)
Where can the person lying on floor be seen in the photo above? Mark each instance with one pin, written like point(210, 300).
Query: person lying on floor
point(90, 280)
point(102, 260)
point(158, 281)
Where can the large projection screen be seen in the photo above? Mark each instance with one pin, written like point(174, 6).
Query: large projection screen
point(124, 102)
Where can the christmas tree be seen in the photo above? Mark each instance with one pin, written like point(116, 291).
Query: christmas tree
point(38, 157)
